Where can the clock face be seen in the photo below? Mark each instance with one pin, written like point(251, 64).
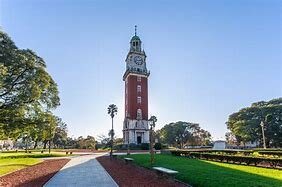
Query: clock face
point(138, 60)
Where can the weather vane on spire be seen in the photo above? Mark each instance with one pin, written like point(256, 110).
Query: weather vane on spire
point(135, 29)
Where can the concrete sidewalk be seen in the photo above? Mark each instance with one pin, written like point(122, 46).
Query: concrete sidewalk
point(82, 171)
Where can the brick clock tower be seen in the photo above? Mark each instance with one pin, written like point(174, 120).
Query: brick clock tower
point(135, 126)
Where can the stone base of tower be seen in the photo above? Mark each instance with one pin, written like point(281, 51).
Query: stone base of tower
point(135, 131)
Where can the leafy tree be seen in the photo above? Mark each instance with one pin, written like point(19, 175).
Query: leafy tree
point(184, 133)
point(85, 143)
point(118, 140)
point(61, 134)
point(153, 119)
point(104, 139)
point(27, 91)
point(231, 138)
point(80, 143)
point(24, 79)
point(71, 143)
point(90, 142)
point(245, 124)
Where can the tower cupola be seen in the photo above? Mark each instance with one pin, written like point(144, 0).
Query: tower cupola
point(135, 42)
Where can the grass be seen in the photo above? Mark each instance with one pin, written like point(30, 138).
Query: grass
point(12, 161)
point(36, 150)
point(31, 155)
point(209, 174)
point(10, 165)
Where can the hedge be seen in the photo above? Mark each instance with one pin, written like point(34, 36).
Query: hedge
point(248, 160)
point(268, 149)
point(271, 153)
point(241, 152)
point(228, 152)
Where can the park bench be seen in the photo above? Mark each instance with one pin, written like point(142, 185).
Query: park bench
point(127, 160)
point(165, 171)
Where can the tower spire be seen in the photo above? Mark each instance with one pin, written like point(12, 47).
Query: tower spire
point(135, 29)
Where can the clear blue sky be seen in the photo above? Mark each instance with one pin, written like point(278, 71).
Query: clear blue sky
point(207, 59)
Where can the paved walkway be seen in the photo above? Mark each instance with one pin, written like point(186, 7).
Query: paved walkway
point(82, 171)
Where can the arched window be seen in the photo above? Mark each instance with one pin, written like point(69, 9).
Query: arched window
point(138, 100)
point(138, 88)
point(139, 113)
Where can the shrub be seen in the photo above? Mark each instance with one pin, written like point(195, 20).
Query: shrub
point(133, 146)
point(118, 146)
point(145, 146)
point(248, 160)
point(271, 153)
point(164, 146)
point(98, 146)
point(268, 149)
point(158, 146)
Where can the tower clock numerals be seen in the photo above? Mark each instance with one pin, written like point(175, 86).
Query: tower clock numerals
point(138, 60)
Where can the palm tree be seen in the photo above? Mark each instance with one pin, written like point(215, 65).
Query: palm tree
point(152, 120)
point(112, 111)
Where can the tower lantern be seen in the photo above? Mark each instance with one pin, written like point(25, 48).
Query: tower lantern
point(135, 127)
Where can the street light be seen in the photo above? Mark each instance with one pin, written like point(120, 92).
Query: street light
point(152, 122)
point(263, 137)
point(128, 148)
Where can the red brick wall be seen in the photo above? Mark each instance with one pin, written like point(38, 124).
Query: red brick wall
point(132, 94)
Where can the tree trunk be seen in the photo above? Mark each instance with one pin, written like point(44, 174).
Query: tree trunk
point(112, 141)
point(35, 144)
point(45, 144)
point(49, 146)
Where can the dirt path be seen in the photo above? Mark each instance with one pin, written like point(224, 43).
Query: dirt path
point(132, 175)
point(33, 176)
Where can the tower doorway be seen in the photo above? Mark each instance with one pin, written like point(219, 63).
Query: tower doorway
point(139, 139)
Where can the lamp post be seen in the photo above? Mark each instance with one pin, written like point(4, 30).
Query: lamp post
point(151, 143)
point(152, 121)
point(128, 148)
point(263, 137)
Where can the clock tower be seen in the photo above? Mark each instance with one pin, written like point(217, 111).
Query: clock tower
point(135, 126)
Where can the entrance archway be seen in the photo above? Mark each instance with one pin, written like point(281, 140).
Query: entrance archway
point(139, 139)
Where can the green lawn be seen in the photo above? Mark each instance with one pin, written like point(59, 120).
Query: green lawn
point(207, 173)
point(12, 161)
point(9, 165)
point(31, 155)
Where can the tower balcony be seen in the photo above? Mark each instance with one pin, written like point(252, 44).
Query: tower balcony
point(136, 71)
